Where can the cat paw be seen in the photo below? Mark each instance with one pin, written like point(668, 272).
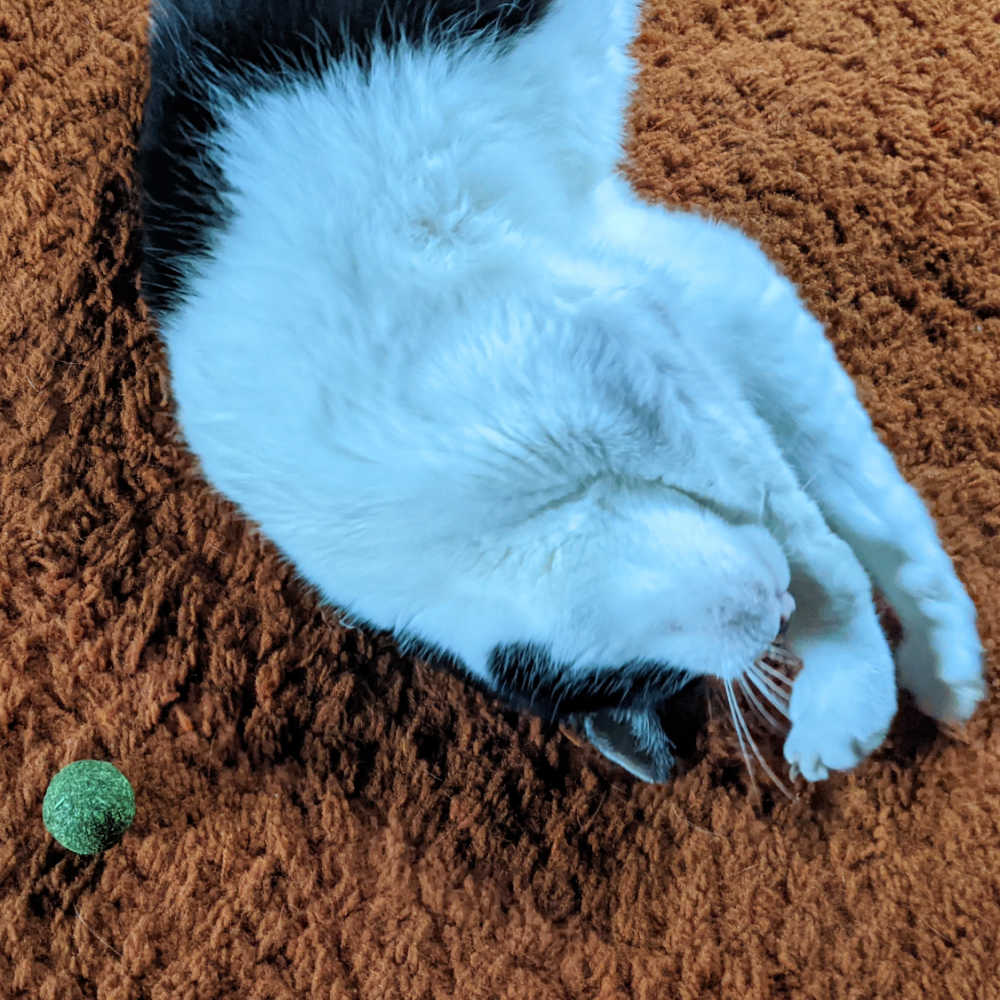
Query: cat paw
point(944, 673)
point(940, 659)
point(818, 744)
point(840, 712)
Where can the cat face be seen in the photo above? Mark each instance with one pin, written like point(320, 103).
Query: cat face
point(662, 589)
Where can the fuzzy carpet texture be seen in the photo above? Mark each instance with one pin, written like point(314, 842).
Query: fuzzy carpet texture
point(318, 816)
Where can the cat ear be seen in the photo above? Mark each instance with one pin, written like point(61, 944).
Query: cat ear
point(634, 739)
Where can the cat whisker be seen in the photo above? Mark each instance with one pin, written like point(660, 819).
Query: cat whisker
point(779, 651)
point(765, 683)
point(809, 482)
point(781, 686)
point(769, 671)
point(741, 722)
point(780, 654)
point(775, 654)
point(761, 711)
point(777, 699)
point(735, 713)
point(777, 696)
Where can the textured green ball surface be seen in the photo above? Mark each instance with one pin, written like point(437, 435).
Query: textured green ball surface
point(88, 805)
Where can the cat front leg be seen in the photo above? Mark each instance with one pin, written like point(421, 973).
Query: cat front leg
point(867, 502)
point(720, 285)
point(828, 438)
point(844, 698)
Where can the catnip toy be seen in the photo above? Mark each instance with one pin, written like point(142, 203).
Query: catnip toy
point(88, 806)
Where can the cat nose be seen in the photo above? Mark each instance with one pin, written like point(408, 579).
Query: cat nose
point(787, 607)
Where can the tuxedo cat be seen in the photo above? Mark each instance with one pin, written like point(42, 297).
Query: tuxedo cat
point(581, 447)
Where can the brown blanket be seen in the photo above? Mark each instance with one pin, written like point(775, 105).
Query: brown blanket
point(320, 817)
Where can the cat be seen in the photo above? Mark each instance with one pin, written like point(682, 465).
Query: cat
point(580, 447)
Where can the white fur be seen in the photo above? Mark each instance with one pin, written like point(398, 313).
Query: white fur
point(478, 393)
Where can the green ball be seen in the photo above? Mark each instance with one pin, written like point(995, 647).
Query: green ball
point(88, 805)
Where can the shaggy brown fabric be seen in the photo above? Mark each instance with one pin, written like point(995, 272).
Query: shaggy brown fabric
point(320, 817)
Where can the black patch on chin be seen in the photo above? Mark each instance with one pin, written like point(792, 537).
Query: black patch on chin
point(529, 679)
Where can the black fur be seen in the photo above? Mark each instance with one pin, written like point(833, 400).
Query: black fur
point(527, 678)
point(241, 40)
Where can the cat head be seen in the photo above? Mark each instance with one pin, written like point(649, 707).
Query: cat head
point(628, 595)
